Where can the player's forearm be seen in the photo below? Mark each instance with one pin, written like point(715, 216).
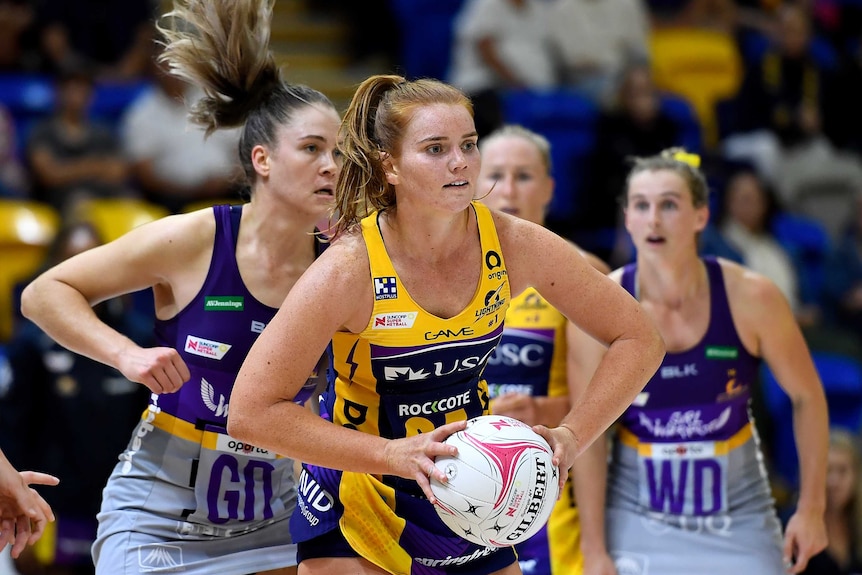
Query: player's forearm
point(811, 430)
point(64, 314)
point(622, 374)
point(590, 472)
point(293, 431)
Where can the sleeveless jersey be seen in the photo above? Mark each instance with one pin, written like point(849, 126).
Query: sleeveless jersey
point(687, 488)
point(183, 479)
point(407, 372)
point(531, 359)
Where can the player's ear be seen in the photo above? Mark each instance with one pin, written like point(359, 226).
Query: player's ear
point(260, 159)
point(390, 168)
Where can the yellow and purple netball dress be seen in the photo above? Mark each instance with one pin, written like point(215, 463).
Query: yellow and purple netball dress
point(407, 372)
point(531, 359)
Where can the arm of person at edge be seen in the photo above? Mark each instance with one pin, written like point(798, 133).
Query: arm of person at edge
point(766, 324)
point(171, 255)
point(335, 293)
point(590, 470)
point(540, 410)
point(23, 512)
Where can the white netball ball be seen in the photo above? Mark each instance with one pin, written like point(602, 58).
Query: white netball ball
point(502, 484)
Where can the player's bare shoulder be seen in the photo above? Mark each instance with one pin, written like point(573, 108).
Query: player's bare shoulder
point(746, 285)
point(179, 240)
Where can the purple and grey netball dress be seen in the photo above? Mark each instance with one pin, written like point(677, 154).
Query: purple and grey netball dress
point(185, 496)
point(687, 489)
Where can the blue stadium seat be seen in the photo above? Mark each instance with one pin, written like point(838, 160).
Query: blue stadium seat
point(754, 44)
point(426, 28)
point(682, 113)
point(842, 382)
point(568, 120)
point(808, 245)
point(31, 98)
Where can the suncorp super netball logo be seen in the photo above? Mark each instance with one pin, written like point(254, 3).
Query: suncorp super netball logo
point(206, 347)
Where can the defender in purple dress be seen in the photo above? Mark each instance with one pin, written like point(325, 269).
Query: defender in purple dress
point(186, 496)
point(687, 489)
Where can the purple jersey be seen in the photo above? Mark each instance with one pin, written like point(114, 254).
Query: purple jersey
point(701, 393)
point(687, 489)
point(183, 482)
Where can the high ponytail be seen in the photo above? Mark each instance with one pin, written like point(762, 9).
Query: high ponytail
point(372, 128)
point(222, 46)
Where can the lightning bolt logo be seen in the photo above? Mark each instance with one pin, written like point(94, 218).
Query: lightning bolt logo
point(353, 365)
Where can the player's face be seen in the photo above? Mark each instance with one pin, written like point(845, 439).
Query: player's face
point(438, 163)
point(746, 202)
point(305, 164)
point(840, 478)
point(660, 214)
point(517, 178)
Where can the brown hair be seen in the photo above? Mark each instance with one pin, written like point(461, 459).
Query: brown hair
point(223, 46)
point(372, 127)
point(686, 165)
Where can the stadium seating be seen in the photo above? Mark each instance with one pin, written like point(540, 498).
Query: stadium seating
point(807, 243)
point(568, 120)
point(26, 232)
point(684, 116)
point(426, 29)
point(30, 98)
point(842, 382)
point(702, 66)
point(113, 217)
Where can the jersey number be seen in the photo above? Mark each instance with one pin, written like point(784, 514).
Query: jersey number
point(250, 488)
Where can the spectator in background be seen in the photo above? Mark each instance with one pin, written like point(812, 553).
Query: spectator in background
point(843, 555)
point(595, 41)
point(843, 275)
point(14, 180)
point(17, 26)
point(499, 45)
point(749, 207)
point(71, 157)
point(172, 160)
point(786, 101)
point(116, 38)
point(635, 126)
point(87, 410)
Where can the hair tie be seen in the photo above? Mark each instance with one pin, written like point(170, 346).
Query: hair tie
point(692, 160)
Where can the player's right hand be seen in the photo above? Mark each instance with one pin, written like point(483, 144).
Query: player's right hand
point(161, 369)
point(413, 457)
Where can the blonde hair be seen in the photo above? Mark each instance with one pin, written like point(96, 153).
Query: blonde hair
point(847, 441)
point(541, 143)
point(223, 47)
point(683, 163)
point(373, 127)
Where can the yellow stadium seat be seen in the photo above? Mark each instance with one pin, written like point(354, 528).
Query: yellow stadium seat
point(113, 217)
point(702, 66)
point(26, 231)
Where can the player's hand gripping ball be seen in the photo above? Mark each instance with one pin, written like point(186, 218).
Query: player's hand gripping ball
point(502, 484)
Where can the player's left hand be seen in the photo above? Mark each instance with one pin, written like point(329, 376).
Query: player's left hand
point(566, 448)
point(804, 538)
point(598, 563)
